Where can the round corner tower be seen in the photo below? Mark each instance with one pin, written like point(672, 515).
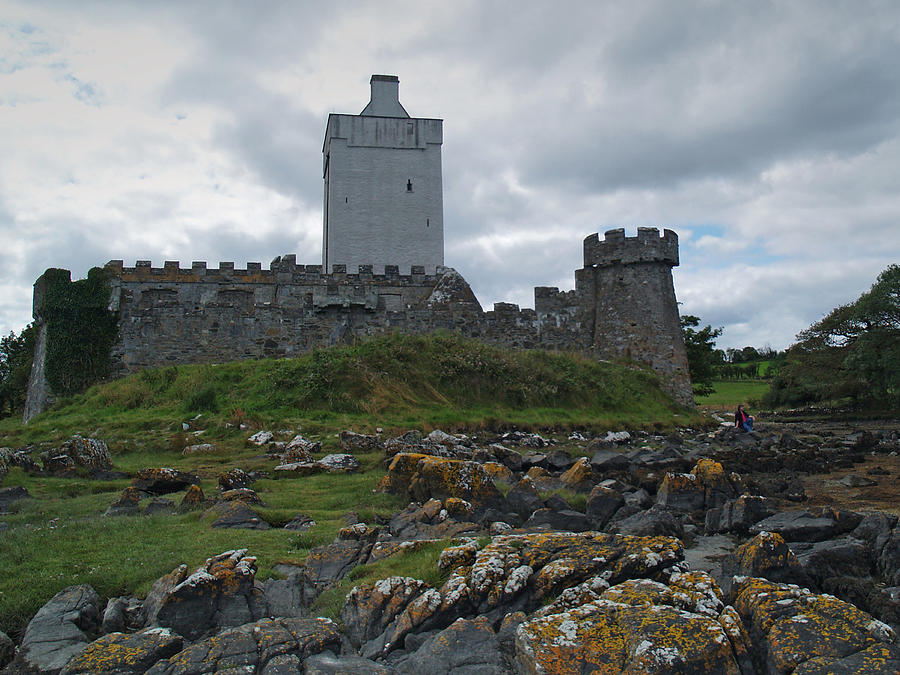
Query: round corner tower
point(634, 306)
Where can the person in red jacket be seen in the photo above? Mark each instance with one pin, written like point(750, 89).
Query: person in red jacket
point(742, 420)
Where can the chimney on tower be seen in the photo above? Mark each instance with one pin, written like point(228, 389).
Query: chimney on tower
point(385, 98)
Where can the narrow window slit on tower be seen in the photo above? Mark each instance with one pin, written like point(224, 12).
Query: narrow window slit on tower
point(409, 185)
point(428, 222)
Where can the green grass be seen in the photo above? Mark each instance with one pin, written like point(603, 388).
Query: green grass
point(729, 393)
point(395, 382)
point(60, 537)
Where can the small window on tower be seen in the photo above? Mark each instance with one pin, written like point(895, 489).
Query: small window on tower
point(409, 185)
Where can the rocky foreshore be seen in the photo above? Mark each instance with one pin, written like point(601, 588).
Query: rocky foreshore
point(691, 552)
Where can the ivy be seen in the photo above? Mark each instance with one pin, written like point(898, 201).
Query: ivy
point(81, 329)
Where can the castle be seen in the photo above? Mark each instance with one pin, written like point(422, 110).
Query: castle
point(382, 271)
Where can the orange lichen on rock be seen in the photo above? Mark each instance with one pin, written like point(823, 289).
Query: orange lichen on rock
point(499, 472)
point(796, 625)
point(400, 472)
point(440, 478)
point(605, 636)
point(766, 551)
point(579, 476)
point(121, 653)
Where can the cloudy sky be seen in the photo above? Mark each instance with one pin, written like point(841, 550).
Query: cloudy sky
point(767, 134)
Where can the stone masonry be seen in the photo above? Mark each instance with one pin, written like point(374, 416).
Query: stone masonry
point(623, 305)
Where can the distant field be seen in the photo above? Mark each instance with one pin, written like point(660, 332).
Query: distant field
point(729, 393)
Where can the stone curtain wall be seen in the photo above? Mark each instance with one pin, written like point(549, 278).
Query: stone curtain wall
point(623, 305)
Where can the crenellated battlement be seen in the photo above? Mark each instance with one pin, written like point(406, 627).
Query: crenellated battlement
point(283, 269)
point(621, 307)
point(617, 249)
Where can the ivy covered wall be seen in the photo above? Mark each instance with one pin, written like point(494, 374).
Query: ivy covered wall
point(81, 329)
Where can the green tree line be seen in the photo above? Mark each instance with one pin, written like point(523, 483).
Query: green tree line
point(850, 356)
point(16, 354)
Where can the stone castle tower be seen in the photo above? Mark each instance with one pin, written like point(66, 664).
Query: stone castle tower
point(383, 193)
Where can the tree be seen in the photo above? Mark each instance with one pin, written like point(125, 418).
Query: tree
point(702, 355)
point(16, 355)
point(852, 354)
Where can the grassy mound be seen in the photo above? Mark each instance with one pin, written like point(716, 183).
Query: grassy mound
point(60, 537)
point(394, 382)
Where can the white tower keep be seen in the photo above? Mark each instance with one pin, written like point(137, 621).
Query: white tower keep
point(383, 194)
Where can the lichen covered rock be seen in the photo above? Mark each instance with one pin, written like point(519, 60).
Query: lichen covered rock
point(89, 453)
point(216, 595)
point(766, 555)
point(638, 626)
point(124, 654)
point(266, 646)
point(161, 481)
point(791, 626)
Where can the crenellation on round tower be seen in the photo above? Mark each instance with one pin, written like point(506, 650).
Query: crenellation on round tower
point(617, 249)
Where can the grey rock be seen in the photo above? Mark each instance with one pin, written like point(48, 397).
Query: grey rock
point(558, 460)
point(567, 519)
point(360, 443)
point(303, 446)
point(328, 564)
point(852, 480)
point(159, 505)
point(524, 499)
point(845, 556)
point(738, 514)
point(300, 523)
point(531, 459)
point(652, 522)
point(261, 438)
point(557, 503)
point(602, 503)
point(875, 529)
point(339, 462)
point(466, 646)
point(640, 498)
point(327, 663)
point(510, 458)
point(889, 559)
point(681, 491)
point(798, 526)
point(60, 629)
point(370, 611)
point(122, 614)
point(605, 460)
point(237, 515)
point(282, 597)
point(199, 449)
point(161, 481)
